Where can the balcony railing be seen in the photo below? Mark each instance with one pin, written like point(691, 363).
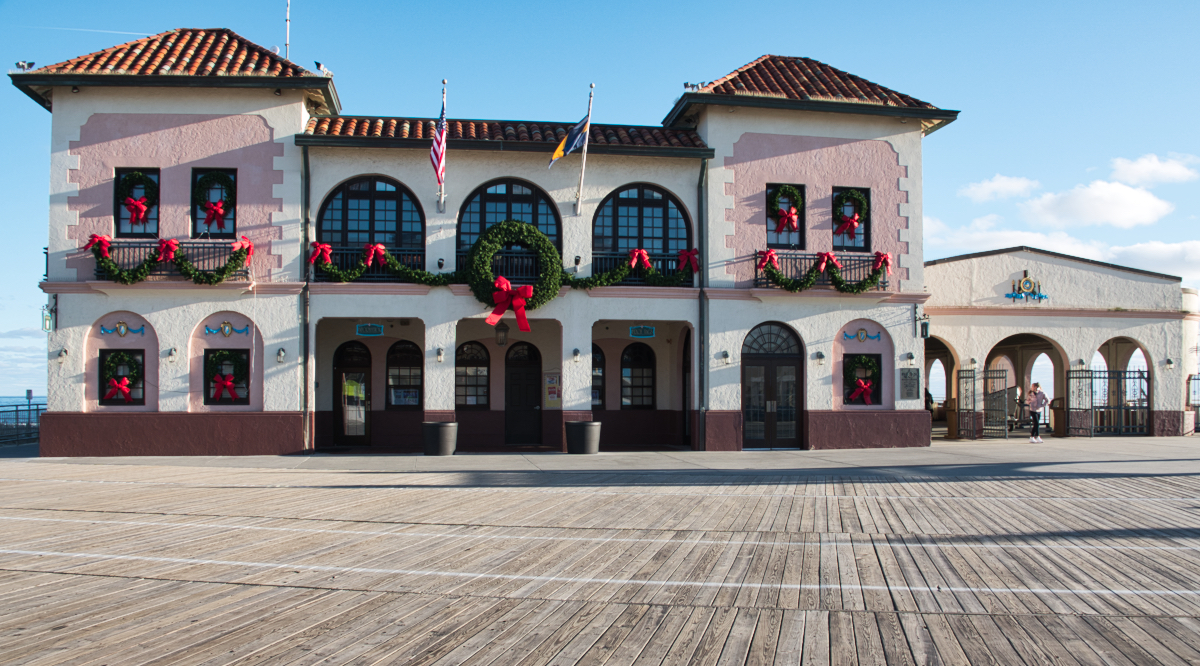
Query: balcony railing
point(796, 264)
point(204, 255)
point(346, 258)
point(666, 263)
point(520, 266)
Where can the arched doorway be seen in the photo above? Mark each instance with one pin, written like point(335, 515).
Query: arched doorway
point(523, 395)
point(772, 381)
point(1009, 369)
point(1113, 395)
point(352, 394)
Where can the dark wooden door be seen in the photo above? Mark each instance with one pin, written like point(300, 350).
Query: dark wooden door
point(770, 403)
point(352, 394)
point(523, 395)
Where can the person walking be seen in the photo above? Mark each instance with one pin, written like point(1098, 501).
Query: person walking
point(1037, 401)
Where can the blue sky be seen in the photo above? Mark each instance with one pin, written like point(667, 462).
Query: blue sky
point(1078, 130)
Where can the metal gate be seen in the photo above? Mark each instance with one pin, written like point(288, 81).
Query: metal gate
point(1108, 402)
point(966, 404)
point(998, 400)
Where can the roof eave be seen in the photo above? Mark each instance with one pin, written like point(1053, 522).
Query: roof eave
point(1048, 253)
point(942, 117)
point(503, 146)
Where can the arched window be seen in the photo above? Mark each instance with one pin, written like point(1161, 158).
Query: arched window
point(506, 199)
point(641, 217)
point(771, 339)
point(471, 362)
point(372, 209)
point(637, 377)
point(597, 378)
point(405, 366)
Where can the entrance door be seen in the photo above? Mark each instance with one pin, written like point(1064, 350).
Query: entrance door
point(352, 399)
point(523, 395)
point(999, 403)
point(769, 404)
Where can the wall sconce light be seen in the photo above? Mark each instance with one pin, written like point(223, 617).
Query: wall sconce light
point(578, 259)
point(74, 89)
point(575, 355)
point(441, 354)
point(280, 356)
point(441, 262)
point(911, 358)
point(971, 364)
point(1170, 364)
point(62, 356)
point(820, 356)
point(725, 357)
point(278, 92)
point(172, 355)
point(501, 334)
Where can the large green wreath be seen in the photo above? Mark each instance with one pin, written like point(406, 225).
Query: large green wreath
point(132, 180)
point(241, 369)
point(839, 201)
point(206, 182)
point(850, 367)
point(115, 359)
point(512, 232)
point(788, 191)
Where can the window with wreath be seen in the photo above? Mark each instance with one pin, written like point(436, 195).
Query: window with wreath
point(597, 378)
point(851, 219)
point(862, 379)
point(373, 209)
point(471, 363)
point(122, 380)
point(135, 203)
point(405, 365)
point(227, 376)
point(214, 203)
point(637, 377)
point(641, 217)
point(785, 216)
point(508, 199)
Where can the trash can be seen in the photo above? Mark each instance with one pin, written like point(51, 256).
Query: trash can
point(952, 418)
point(583, 437)
point(441, 437)
point(1058, 417)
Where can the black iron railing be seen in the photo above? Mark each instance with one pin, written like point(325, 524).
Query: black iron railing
point(520, 266)
point(20, 423)
point(666, 263)
point(204, 255)
point(796, 265)
point(347, 258)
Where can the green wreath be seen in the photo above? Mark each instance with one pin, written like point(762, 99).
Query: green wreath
point(132, 180)
point(852, 364)
point(115, 359)
point(788, 191)
point(513, 232)
point(839, 201)
point(206, 182)
point(212, 365)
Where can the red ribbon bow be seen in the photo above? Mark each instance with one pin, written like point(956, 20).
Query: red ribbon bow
point(505, 296)
point(215, 212)
point(824, 258)
point(246, 245)
point(883, 259)
point(788, 218)
point(767, 257)
point(690, 257)
point(863, 388)
point(636, 255)
point(223, 385)
point(137, 210)
point(321, 250)
point(370, 251)
point(115, 387)
point(849, 224)
point(167, 248)
point(101, 242)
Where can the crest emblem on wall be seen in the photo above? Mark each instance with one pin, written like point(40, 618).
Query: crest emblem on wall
point(226, 329)
point(861, 335)
point(122, 329)
point(1027, 289)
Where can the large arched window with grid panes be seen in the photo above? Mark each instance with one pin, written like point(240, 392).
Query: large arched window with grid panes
point(508, 199)
point(639, 217)
point(372, 210)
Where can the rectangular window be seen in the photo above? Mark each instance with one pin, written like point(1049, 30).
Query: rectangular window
point(637, 388)
point(216, 215)
point(127, 368)
point(404, 387)
point(869, 369)
point(132, 214)
point(471, 386)
point(851, 219)
point(227, 376)
point(597, 387)
point(787, 238)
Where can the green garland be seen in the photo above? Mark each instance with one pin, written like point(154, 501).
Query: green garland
point(512, 232)
point(850, 367)
point(212, 365)
point(348, 275)
point(869, 282)
point(186, 268)
point(788, 191)
point(117, 359)
point(122, 276)
point(839, 201)
point(132, 180)
point(810, 278)
point(206, 182)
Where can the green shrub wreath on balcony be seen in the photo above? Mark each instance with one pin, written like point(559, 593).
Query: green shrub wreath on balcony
point(122, 276)
point(513, 232)
point(235, 263)
point(810, 278)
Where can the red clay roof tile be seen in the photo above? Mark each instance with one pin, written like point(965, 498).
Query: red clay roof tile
point(806, 79)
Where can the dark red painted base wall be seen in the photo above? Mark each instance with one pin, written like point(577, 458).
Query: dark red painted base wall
point(722, 430)
point(630, 429)
point(71, 434)
point(867, 430)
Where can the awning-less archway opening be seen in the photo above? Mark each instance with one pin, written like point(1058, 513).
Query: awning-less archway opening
point(1112, 395)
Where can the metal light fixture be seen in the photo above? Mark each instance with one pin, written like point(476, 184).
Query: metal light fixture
point(74, 89)
point(501, 334)
point(62, 355)
point(820, 356)
point(441, 262)
point(911, 358)
point(172, 355)
point(280, 356)
point(578, 259)
point(575, 355)
point(441, 354)
point(278, 92)
point(1170, 364)
point(725, 357)
point(971, 364)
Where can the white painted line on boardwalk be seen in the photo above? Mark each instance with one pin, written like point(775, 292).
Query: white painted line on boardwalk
point(922, 540)
point(571, 579)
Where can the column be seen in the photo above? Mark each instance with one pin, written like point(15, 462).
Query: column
point(577, 375)
point(439, 370)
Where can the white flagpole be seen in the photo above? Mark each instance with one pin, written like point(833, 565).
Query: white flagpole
point(587, 135)
point(442, 184)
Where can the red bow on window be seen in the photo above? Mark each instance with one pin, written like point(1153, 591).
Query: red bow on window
point(824, 258)
point(322, 251)
point(639, 255)
point(689, 257)
point(115, 387)
point(505, 296)
point(883, 259)
point(167, 248)
point(862, 388)
point(767, 257)
point(246, 245)
point(849, 224)
point(101, 242)
point(137, 210)
point(215, 212)
point(223, 384)
point(370, 251)
point(788, 219)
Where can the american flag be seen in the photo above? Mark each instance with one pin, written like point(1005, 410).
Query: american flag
point(437, 154)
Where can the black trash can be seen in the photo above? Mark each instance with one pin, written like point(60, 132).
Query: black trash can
point(583, 437)
point(441, 437)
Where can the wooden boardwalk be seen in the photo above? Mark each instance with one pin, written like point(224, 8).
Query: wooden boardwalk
point(159, 564)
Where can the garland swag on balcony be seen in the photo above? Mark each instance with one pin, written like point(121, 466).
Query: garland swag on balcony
point(768, 263)
point(168, 251)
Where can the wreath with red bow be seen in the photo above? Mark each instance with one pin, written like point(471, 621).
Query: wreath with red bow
point(132, 180)
point(512, 232)
point(241, 369)
point(793, 195)
point(850, 371)
point(206, 183)
point(849, 196)
point(116, 360)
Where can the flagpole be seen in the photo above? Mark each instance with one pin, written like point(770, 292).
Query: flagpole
point(587, 135)
point(442, 185)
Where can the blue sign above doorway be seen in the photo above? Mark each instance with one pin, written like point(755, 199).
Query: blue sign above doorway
point(641, 331)
point(369, 330)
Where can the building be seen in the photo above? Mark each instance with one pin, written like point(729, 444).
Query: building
point(213, 213)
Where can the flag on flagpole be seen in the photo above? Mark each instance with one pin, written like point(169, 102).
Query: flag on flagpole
point(437, 154)
point(575, 139)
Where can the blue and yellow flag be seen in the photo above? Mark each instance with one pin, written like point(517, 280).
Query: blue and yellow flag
point(574, 140)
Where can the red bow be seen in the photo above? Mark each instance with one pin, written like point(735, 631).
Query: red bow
point(636, 255)
point(223, 384)
point(115, 387)
point(826, 257)
point(321, 250)
point(689, 257)
point(137, 210)
point(767, 257)
point(215, 212)
point(883, 259)
point(101, 242)
point(167, 248)
point(849, 224)
point(505, 296)
point(374, 250)
point(246, 245)
point(788, 218)
point(863, 388)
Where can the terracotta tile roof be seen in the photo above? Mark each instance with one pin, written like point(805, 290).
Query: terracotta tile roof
point(185, 51)
point(502, 130)
point(806, 79)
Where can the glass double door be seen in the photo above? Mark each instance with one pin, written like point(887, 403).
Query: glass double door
point(770, 403)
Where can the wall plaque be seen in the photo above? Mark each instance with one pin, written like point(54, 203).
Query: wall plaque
point(369, 330)
point(910, 383)
point(641, 331)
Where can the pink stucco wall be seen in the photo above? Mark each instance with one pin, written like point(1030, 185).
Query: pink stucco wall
point(887, 366)
point(201, 340)
point(820, 164)
point(176, 144)
point(147, 341)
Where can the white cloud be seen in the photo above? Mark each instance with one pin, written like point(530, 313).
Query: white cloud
point(1181, 258)
point(988, 233)
point(999, 187)
point(23, 333)
point(1149, 169)
point(1099, 202)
